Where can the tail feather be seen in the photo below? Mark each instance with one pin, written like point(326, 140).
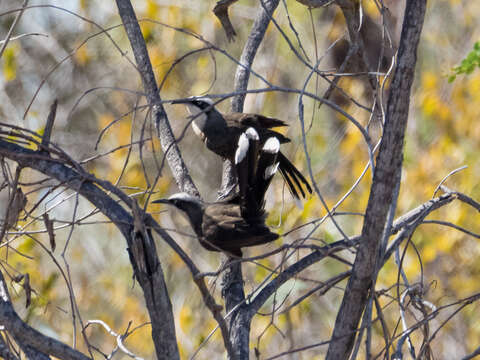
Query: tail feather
point(289, 182)
point(289, 173)
point(292, 175)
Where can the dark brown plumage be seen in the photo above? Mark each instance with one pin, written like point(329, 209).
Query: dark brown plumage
point(221, 226)
point(238, 221)
point(221, 133)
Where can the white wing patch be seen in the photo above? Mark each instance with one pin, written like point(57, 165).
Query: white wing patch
point(241, 149)
point(252, 134)
point(270, 171)
point(272, 145)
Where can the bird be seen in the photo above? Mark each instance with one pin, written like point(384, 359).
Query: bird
point(221, 132)
point(220, 226)
point(239, 220)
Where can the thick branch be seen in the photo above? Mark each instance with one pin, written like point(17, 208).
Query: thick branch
point(296, 268)
point(250, 50)
point(405, 223)
point(389, 163)
point(5, 351)
point(28, 337)
point(167, 139)
point(151, 281)
point(239, 321)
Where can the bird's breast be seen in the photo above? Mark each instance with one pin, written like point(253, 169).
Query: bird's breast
point(197, 131)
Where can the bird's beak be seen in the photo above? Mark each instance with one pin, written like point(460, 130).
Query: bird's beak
point(161, 201)
point(181, 101)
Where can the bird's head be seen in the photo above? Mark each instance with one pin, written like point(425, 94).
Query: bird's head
point(196, 104)
point(200, 108)
point(182, 201)
point(190, 205)
point(204, 114)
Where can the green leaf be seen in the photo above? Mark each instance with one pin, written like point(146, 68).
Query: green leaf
point(469, 64)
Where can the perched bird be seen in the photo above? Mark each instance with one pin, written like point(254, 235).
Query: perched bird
point(220, 226)
point(238, 221)
point(221, 133)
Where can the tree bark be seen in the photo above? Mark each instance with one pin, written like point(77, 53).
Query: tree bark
point(145, 263)
point(240, 319)
point(387, 171)
point(167, 139)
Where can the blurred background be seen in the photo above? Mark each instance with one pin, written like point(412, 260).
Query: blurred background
point(102, 120)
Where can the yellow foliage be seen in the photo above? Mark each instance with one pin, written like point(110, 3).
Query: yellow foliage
point(429, 252)
point(430, 105)
point(140, 340)
point(133, 175)
point(175, 14)
point(411, 266)
point(465, 285)
point(261, 271)
point(157, 59)
point(26, 246)
point(264, 328)
point(350, 143)
point(429, 81)
point(473, 86)
point(104, 120)
point(185, 319)
point(123, 131)
point(203, 62)
point(10, 61)
point(147, 30)
point(370, 8)
point(176, 261)
point(308, 209)
point(82, 56)
point(444, 242)
point(152, 9)
point(295, 314)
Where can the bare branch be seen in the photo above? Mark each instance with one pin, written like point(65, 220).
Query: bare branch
point(153, 284)
point(29, 337)
point(12, 27)
point(462, 197)
point(5, 351)
point(119, 338)
point(49, 125)
point(167, 139)
point(388, 169)
point(250, 50)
